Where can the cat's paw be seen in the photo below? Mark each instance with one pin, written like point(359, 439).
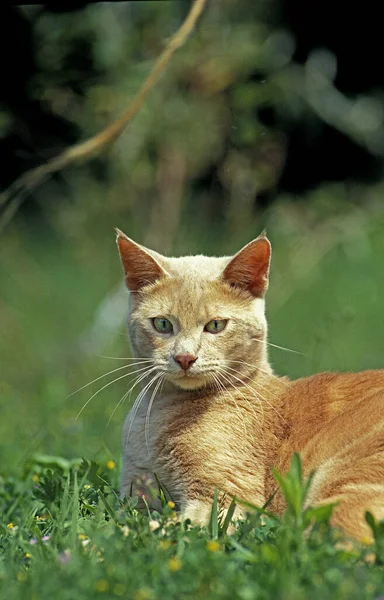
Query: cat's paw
point(197, 511)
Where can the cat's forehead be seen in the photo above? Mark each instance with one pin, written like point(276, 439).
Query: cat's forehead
point(200, 266)
point(193, 291)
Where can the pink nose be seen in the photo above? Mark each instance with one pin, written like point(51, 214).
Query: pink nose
point(185, 360)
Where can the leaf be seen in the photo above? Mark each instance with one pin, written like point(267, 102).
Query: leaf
point(213, 526)
point(318, 514)
point(271, 497)
point(371, 521)
point(243, 552)
point(295, 469)
point(75, 510)
point(293, 487)
point(378, 534)
point(228, 516)
point(107, 506)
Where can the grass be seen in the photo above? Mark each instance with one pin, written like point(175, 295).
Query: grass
point(59, 475)
point(66, 535)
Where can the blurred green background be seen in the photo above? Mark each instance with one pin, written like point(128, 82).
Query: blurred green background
point(244, 131)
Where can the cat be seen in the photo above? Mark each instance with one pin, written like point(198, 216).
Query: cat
point(212, 413)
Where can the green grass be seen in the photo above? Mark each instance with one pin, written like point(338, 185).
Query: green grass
point(325, 301)
point(66, 535)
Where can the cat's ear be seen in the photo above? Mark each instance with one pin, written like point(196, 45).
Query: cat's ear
point(139, 266)
point(249, 268)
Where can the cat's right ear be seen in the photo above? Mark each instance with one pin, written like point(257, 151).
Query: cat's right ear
point(139, 266)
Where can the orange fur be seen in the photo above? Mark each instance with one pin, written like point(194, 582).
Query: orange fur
point(226, 420)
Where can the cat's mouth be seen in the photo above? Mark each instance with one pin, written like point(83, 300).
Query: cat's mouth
point(187, 380)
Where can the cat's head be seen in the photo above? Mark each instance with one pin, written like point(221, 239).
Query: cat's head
point(199, 319)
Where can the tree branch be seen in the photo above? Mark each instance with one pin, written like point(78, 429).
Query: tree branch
point(11, 198)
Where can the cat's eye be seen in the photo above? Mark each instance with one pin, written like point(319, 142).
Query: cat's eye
point(216, 325)
point(162, 325)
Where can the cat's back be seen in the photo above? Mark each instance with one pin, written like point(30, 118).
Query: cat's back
point(322, 397)
point(330, 412)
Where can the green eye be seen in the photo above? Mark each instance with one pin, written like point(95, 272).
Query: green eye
point(162, 325)
point(216, 325)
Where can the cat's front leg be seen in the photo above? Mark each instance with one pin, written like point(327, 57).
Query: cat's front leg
point(197, 511)
point(142, 484)
point(138, 478)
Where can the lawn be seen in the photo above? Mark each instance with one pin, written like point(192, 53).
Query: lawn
point(64, 532)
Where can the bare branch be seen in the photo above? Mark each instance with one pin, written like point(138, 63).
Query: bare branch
point(11, 198)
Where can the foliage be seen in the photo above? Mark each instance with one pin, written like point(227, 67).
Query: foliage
point(81, 541)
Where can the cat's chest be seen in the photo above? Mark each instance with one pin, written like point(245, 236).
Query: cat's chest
point(159, 430)
point(142, 427)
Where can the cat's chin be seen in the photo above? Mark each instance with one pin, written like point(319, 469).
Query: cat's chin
point(189, 383)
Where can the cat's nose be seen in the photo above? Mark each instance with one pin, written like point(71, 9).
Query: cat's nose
point(185, 360)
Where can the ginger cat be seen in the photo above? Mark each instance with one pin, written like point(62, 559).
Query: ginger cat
point(212, 413)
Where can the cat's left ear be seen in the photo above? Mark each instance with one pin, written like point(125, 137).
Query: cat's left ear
point(249, 268)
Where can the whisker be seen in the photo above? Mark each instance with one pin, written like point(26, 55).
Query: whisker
point(279, 379)
point(136, 380)
point(216, 386)
point(101, 377)
point(286, 349)
point(126, 358)
point(105, 386)
point(279, 347)
point(259, 368)
point(227, 377)
point(254, 391)
point(242, 382)
point(235, 403)
point(162, 385)
point(122, 399)
point(147, 417)
point(217, 383)
point(136, 405)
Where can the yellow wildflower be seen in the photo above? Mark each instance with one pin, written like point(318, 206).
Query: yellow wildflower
point(111, 465)
point(144, 593)
point(213, 546)
point(171, 504)
point(119, 589)
point(102, 585)
point(366, 540)
point(35, 478)
point(82, 536)
point(174, 564)
point(27, 555)
point(10, 526)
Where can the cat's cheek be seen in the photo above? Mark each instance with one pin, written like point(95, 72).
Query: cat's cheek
point(157, 342)
point(146, 340)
